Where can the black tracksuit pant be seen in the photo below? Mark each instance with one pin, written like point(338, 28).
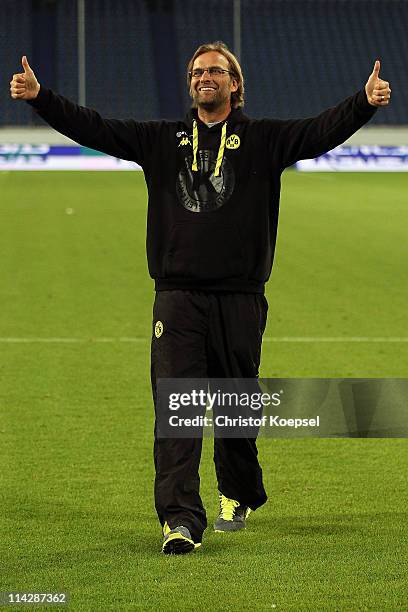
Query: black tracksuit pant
point(214, 335)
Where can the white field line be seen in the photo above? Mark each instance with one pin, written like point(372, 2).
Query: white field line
point(379, 339)
point(89, 340)
point(283, 339)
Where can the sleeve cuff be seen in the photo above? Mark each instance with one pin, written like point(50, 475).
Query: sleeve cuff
point(363, 103)
point(41, 101)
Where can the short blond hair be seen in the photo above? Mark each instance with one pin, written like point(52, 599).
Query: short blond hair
point(237, 97)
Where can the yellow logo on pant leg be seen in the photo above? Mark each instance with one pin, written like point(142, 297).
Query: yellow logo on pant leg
point(233, 142)
point(158, 329)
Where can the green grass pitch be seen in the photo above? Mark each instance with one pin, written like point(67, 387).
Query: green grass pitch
point(76, 416)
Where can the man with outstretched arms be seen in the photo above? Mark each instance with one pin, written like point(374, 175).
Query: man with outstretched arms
point(213, 184)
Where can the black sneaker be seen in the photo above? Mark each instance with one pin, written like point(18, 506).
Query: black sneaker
point(177, 541)
point(232, 515)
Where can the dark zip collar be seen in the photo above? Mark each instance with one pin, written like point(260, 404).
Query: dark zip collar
point(236, 116)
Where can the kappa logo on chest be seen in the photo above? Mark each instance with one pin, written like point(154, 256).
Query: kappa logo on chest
point(184, 139)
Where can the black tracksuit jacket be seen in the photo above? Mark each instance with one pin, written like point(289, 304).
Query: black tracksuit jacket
point(206, 231)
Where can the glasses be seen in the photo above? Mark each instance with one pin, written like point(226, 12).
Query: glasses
point(197, 73)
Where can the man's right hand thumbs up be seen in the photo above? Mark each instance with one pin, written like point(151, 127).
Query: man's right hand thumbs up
point(24, 85)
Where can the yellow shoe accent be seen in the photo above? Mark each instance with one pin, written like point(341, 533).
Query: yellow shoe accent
point(177, 541)
point(227, 508)
point(232, 515)
point(179, 537)
point(166, 528)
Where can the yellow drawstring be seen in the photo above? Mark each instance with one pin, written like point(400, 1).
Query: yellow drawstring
point(195, 146)
point(221, 150)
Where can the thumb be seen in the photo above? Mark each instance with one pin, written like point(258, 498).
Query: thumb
point(26, 65)
point(376, 69)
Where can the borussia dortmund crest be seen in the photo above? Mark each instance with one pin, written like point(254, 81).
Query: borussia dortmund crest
point(158, 329)
point(233, 142)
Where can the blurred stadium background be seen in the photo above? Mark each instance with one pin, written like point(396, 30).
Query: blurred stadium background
point(298, 56)
point(127, 58)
